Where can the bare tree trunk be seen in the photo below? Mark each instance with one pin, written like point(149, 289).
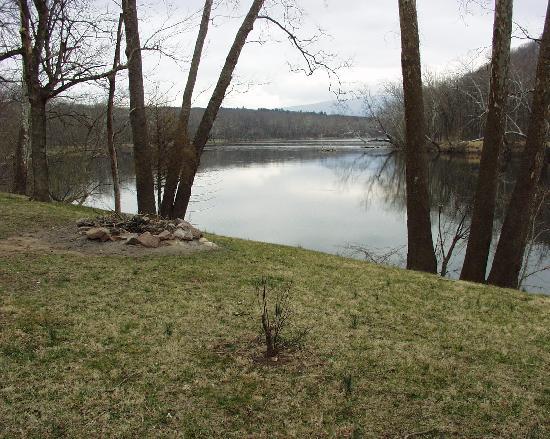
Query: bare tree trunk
point(182, 142)
point(138, 120)
point(513, 237)
point(111, 147)
point(481, 229)
point(22, 149)
point(110, 130)
point(192, 155)
point(160, 151)
point(420, 250)
point(31, 57)
point(40, 174)
point(19, 164)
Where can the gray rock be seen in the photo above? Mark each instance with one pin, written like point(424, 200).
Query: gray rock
point(132, 241)
point(197, 234)
point(148, 240)
point(165, 235)
point(183, 235)
point(170, 227)
point(98, 233)
point(181, 224)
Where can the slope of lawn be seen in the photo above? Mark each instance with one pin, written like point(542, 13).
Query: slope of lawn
point(96, 346)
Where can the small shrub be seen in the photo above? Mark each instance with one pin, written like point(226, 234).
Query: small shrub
point(347, 384)
point(169, 329)
point(275, 317)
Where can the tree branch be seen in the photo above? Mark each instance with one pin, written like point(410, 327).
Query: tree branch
point(11, 53)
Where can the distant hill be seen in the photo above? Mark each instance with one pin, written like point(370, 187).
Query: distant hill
point(351, 107)
point(78, 124)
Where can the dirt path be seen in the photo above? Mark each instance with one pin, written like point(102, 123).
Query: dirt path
point(69, 240)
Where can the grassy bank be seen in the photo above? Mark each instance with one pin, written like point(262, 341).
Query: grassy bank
point(95, 346)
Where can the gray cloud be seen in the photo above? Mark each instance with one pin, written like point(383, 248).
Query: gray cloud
point(366, 31)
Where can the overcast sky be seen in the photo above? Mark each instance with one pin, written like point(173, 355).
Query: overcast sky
point(365, 31)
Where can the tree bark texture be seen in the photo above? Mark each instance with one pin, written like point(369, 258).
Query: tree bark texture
point(23, 147)
point(420, 250)
point(31, 56)
point(193, 152)
point(138, 120)
point(182, 141)
point(481, 228)
point(40, 174)
point(110, 130)
point(513, 237)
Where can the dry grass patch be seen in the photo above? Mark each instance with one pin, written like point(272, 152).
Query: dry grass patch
point(165, 347)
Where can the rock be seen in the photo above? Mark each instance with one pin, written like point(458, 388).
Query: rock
point(85, 222)
point(98, 233)
point(154, 229)
point(170, 227)
point(184, 225)
point(181, 224)
point(203, 240)
point(165, 235)
point(148, 240)
point(197, 234)
point(127, 235)
point(138, 219)
point(183, 235)
point(209, 244)
point(132, 241)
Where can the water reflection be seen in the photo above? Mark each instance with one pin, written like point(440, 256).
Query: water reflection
point(322, 200)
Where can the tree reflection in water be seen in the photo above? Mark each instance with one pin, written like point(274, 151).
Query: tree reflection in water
point(331, 200)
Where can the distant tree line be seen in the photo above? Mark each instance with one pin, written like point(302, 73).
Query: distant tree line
point(455, 104)
point(72, 126)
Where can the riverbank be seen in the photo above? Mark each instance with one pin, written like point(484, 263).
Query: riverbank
point(475, 147)
point(102, 346)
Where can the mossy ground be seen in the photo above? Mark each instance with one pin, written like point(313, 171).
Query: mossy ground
point(95, 346)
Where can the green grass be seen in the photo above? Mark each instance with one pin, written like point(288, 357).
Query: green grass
point(166, 346)
point(17, 215)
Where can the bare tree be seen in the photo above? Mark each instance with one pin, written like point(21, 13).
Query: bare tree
point(420, 250)
point(192, 151)
point(110, 122)
point(138, 119)
point(22, 147)
point(192, 158)
point(182, 150)
point(454, 233)
point(513, 238)
point(537, 229)
point(481, 228)
point(162, 124)
point(53, 35)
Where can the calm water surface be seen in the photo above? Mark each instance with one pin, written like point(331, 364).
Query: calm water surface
point(333, 200)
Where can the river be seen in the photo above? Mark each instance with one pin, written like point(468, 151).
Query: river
point(335, 197)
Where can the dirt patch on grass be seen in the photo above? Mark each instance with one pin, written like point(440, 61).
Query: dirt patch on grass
point(68, 239)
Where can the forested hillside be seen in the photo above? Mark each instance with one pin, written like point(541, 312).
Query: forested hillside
point(84, 126)
point(455, 103)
